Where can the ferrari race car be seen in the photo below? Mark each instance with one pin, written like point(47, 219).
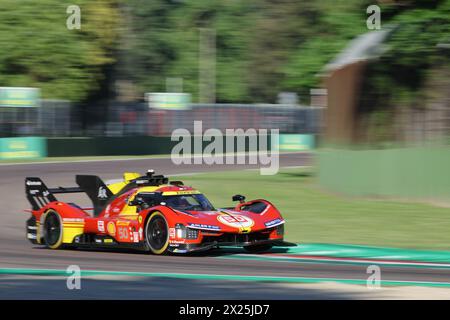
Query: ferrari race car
point(148, 213)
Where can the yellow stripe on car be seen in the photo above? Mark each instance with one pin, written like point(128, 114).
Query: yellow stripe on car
point(71, 230)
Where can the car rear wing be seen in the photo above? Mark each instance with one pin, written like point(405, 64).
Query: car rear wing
point(39, 195)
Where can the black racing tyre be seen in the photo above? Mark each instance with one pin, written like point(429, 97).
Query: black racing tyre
point(157, 233)
point(53, 230)
point(257, 248)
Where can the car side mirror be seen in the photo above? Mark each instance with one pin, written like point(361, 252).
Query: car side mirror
point(239, 198)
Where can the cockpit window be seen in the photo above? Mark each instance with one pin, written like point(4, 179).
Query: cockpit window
point(194, 202)
point(149, 199)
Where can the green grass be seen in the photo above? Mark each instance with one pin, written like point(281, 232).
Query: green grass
point(314, 215)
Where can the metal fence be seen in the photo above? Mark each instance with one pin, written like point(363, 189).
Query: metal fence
point(52, 118)
point(286, 118)
point(61, 118)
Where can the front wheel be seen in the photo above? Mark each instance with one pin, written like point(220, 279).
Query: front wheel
point(157, 233)
point(257, 248)
point(53, 230)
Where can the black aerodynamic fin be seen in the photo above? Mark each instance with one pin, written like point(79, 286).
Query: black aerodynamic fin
point(96, 190)
point(37, 193)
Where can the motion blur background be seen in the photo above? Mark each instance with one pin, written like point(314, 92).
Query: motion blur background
point(372, 101)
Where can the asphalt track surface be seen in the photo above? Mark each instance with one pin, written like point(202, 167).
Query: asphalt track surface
point(17, 252)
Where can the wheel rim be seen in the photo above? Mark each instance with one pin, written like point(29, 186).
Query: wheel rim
point(157, 233)
point(52, 229)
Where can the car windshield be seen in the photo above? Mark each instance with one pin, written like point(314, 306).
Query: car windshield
point(195, 202)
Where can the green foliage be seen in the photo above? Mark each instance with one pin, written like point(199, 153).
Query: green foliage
point(166, 43)
point(263, 47)
point(413, 47)
point(302, 71)
point(39, 51)
point(399, 79)
point(279, 29)
point(338, 23)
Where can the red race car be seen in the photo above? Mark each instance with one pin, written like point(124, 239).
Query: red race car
point(148, 213)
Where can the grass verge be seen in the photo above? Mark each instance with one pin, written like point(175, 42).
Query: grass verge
point(314, 215)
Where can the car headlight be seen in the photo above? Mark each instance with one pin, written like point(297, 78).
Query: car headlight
point(180, 231)
point(185, 233)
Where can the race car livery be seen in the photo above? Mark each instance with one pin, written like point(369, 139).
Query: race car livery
point(148, 213)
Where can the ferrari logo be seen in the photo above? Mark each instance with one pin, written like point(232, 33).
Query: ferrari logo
point(102, 193)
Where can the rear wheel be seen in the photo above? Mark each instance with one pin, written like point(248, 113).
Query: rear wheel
point(157, 233)
point(53, 230)
point(258, 248)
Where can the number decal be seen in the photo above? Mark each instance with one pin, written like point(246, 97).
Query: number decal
point(236, 220)
point(123, 233)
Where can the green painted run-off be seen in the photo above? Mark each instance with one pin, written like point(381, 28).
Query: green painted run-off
point(365, 252)
point(215, 277)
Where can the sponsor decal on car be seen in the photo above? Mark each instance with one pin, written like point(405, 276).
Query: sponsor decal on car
point(172, 233)
point(177, 241)
point(203, 226)
point(273, 223)
point(101, 226)
point(73, 220)
point(111, 227)
point(210, 213)
point(236, 220)
point(176, 193)
point(33, 183)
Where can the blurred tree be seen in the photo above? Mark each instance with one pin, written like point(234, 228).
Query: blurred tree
point(263, 46)
point(400, 83)
point(255, 40)
point(166, 44)
point(279, 28)
point(336, 24)
point(148, 52)
point(39, 51)
point(414, 48)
